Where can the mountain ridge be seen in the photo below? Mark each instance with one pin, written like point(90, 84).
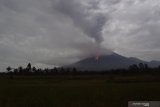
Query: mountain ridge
point(108, 62)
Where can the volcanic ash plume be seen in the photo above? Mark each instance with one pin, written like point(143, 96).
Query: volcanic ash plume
point(85, 15)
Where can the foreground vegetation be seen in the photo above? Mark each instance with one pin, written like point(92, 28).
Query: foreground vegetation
point(77, 90)
point(68, 87)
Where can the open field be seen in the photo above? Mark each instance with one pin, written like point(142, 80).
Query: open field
point(75, 91)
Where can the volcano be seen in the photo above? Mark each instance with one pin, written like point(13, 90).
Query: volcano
point(108, 62)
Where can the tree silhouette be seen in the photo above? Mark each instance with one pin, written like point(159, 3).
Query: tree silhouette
point(55, 69)
point(29, 65)
point(134, 67)
point(20, 69)
point(146, 66)
point(15, 70)
point(34, 69)
point(8, 69)
point(141, 66)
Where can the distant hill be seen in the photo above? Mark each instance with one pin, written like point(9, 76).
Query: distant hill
point(108, 62)
point(154, 63)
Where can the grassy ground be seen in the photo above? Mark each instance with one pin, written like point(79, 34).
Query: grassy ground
point(65, 91)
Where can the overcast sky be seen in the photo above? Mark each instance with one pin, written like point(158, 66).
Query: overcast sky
point(59, 32)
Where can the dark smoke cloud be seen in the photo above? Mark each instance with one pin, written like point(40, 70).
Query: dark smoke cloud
point(84, 16)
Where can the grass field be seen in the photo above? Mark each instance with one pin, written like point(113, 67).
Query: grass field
point(69, 91)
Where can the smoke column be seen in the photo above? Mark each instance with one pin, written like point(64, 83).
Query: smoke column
point(84, 15)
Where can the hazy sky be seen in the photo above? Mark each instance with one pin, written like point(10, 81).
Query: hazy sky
point(58, 32)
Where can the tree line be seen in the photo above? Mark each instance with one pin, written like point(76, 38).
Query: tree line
point(32, 70)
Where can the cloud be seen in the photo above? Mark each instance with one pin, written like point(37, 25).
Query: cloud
point(133, 30)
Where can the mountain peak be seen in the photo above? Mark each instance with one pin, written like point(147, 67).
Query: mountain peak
point(106, 62)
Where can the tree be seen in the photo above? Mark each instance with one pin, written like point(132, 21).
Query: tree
point(133, 67)
point(20, 69)
point(8, 69)
point(29, 67)
point(34, 69)
point(62, 70)
point(141, 66)
point(55, 69)
point(9, 72)
point(15, 71)
point(146, 66)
